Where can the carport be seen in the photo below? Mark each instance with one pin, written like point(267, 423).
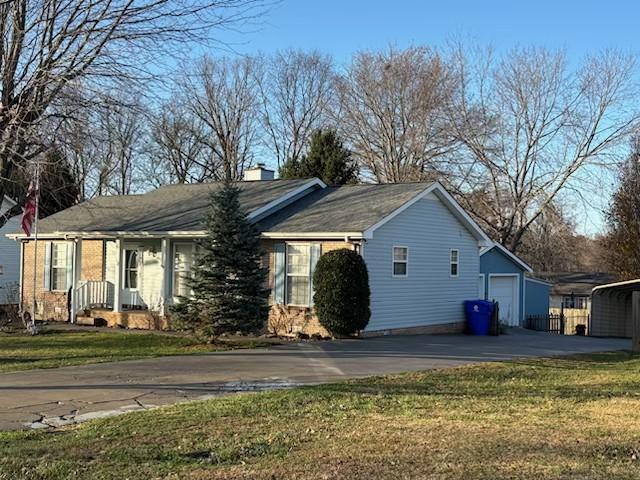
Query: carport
point(614, 308)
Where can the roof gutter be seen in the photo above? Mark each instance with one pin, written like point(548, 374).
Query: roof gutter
point(181, 234)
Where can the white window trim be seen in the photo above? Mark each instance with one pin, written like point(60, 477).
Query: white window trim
point(51, 268)
point(286, 275)
point(174, 248)
point(393, 261)
point(126, 268)
point(457, 262)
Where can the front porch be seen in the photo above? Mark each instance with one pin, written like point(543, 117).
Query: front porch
point(125, 282)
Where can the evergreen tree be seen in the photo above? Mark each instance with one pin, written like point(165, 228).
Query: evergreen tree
point(228, 282)
point(622, 243)
point(327, 159)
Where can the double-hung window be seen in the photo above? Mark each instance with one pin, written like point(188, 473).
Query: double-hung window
point(183, 260)
point(59, 266)
point(298, 274)
point(454, 262)
point(400, 261)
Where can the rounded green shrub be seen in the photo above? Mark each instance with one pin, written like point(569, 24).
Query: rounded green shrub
point(342, 294)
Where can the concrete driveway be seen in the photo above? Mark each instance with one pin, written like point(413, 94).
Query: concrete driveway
point(46, 398)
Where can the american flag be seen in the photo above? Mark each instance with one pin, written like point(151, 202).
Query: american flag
point(29, 209)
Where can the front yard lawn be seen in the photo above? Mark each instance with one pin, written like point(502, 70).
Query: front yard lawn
point(539, 419)
point(58, 348)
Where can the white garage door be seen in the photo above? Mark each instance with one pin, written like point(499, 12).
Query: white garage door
point(504, 291)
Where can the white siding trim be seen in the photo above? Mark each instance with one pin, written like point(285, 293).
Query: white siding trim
point(484, 287)
point(537, 280)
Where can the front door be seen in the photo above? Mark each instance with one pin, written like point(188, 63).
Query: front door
point(131, 272)
point(504, 291)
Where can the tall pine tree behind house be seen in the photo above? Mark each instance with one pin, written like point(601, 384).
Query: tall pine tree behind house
point(327, 160)
point(228, 282)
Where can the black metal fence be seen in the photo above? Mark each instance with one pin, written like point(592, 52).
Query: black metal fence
point(546, 323)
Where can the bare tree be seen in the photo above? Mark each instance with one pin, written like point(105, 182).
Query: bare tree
point(622, 241)
point(392, 113)
point(296, 90)
point(178, 150)
point(223, 94)
point(47, 45)
point(549, 244)
point(526, 124)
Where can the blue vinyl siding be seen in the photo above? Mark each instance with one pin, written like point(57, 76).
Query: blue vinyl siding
point(495, 261)
point(537, 298)
point(428, 295)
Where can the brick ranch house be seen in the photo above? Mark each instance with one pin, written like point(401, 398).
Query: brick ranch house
point(124, 259)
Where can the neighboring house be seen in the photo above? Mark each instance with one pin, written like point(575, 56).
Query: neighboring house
point(125, 259)
point(614, 308)
point(505, 278)
point(572, 290)
point(9, 256)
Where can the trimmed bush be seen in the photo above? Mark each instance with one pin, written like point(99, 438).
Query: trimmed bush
point(342, 295)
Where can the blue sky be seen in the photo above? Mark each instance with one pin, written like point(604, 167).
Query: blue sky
point(341, 28)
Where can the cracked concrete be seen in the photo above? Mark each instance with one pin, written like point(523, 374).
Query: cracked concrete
point(63, 396)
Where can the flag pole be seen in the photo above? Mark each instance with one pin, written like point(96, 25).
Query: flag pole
point(35, 248)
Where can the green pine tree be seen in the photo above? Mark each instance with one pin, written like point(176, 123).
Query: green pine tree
point(228, 282)
point(327, 159)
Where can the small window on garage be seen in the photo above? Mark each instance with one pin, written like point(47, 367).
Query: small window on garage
point(400, 261)
point(454, 262)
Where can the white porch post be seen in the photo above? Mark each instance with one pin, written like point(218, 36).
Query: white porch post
point(165, 263)
point(21, 278)
point(117, 302)
point(77, 268)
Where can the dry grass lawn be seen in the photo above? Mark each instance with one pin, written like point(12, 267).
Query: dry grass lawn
point(60, 348)
point(573, 418)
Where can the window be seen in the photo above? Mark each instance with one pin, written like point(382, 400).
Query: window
point(182, 264)
point(298, 274)
point(400, 261)
point(454, 262)
point(572, 301)
point(130, 269)
point(59, 266)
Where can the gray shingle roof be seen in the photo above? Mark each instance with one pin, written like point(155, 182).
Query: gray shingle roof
point(349, 208)
point(169, 208)
point(578, 283)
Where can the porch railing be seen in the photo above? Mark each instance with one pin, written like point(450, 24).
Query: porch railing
point(94, 294)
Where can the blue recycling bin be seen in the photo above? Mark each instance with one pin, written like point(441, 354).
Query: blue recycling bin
point(478, 316)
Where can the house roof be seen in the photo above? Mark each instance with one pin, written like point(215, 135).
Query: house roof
point(576, 283)
point(167, 209)
point(348, 208)
point(291, 208)
point(509, 254)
